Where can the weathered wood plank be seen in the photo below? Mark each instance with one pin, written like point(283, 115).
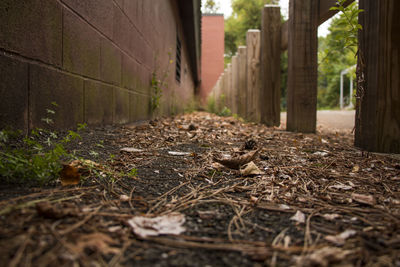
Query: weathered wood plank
point(324, 9)
point(271, 65)
point(217, 89)
point(235, 92)
point(229, 86)
point(242, 80)
point(302, 66)
point(378, 105)
point(253, 75)
point(221, 95)
point(284, 35)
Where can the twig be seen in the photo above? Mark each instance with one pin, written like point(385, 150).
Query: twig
point(18, 255)
point(79, 224)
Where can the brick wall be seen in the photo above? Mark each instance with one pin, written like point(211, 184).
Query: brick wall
point(212, 47)
point(94, 58)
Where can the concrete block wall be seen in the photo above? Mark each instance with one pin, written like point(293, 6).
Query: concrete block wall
point(94, 58)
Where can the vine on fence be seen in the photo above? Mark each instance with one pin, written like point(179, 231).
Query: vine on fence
point(351, 40)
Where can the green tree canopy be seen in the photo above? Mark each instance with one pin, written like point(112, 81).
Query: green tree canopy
point(337, 51)
point(246, 14)
point(210, 7)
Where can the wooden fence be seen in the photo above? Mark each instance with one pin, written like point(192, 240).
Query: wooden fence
point(250, 85)
point(253, 77)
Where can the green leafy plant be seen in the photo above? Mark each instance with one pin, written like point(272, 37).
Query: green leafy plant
point(156, 86)
point(94, 154)
point(210, 7)
point(36, 158)
point(337, 51)
point(133, 172)
point(211, 105)
point(225, 112)
point(350, 14)
point(158, 83)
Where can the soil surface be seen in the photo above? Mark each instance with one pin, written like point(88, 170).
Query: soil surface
point(296, 200)
point(333, 120)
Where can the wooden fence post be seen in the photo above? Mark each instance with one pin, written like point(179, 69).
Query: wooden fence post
point(229, 87)
point(242, 80)
point(216, 89)
point(302, 66)
point(221, 95)
point(235, 71)
point(378, 103)
point(253, 75)
point(271, 65)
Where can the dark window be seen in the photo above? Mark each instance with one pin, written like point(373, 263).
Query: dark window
point(178, 59)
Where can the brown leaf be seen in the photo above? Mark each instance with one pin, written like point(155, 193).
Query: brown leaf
point(356, 168)
point(124, 198)
point(97, 242)
point(235, 163)
point(323, 257)
point(340, 239)
point(364, 199)
point(69, 175)
point(251, 169)
point(253, 199)
point(52, 211)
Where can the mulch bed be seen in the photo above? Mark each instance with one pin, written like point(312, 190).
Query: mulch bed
point(318, 201)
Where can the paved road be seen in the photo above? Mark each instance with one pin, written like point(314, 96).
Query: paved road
point(331, 119)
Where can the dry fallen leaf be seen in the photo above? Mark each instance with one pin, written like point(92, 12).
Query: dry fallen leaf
point(340, 238)
point(167, 224)
point(69, 175)
point(237, 162)
point(341, 186)
point(124, 198)
point(178, 153)
point(95, 241)
point(323, 257)
point(356, 168)
point(364, 199)
point(284, 207)
point(330, 217)
point(321, 153)
point(299, 217)
point(131, 150)
point(115, 228)
point(253, 199)
point(55, 211)
point(250, 169)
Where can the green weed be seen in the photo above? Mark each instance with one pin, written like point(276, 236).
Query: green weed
point(36, 158)
point(33, 159)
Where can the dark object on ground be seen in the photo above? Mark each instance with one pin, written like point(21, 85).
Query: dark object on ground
point(249, 144)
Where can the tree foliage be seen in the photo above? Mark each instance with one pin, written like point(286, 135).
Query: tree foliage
point(245, 15)
point(210, 7)
point(337, 51)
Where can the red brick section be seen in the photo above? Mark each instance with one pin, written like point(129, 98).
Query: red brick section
point(212, 49)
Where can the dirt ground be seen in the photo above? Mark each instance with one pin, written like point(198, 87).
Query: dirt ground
point(333, 120)
point(296, 200)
